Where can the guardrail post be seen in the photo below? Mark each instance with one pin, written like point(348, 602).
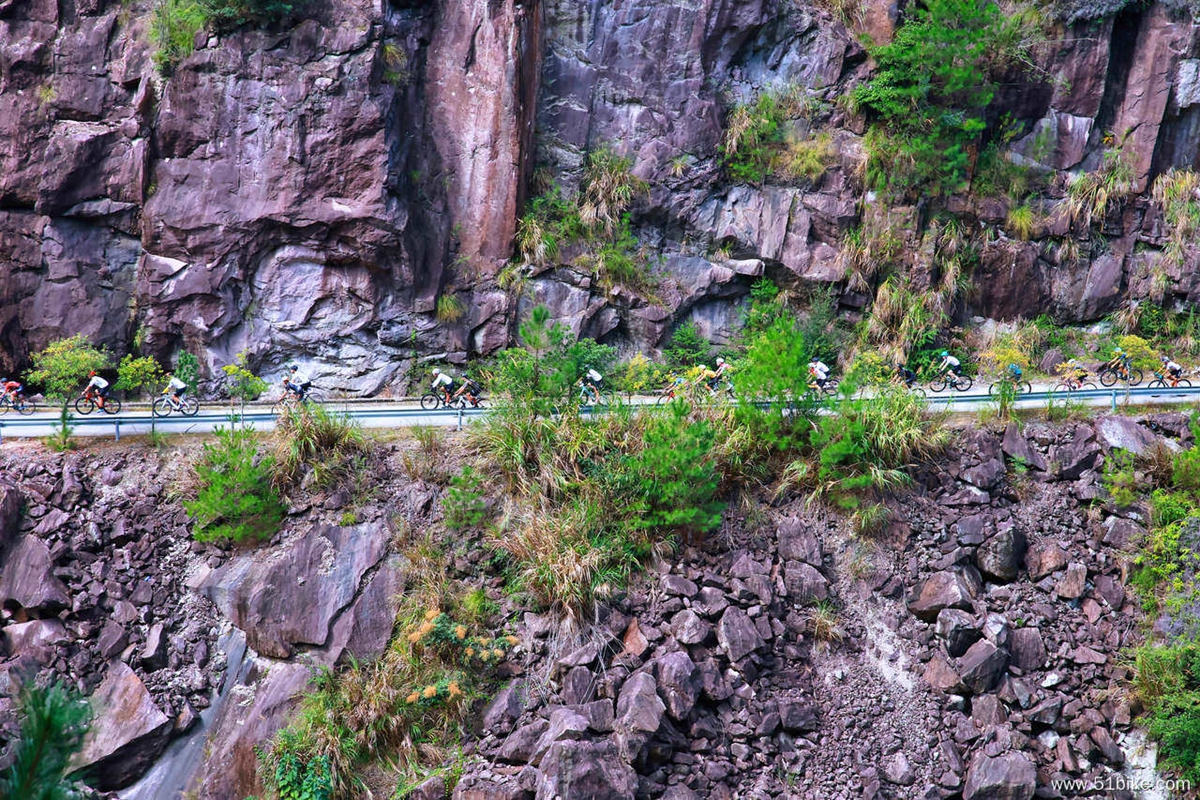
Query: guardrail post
point(460, 416)
point(1114, 400)
point(1, 433)
point(117, 425)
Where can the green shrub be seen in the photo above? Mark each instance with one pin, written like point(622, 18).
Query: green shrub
point(244, 384)
point(1119, 477)
point(53, 722)
point(187, 369)
point(1168, 680)
point(173, 28)
point(927, 97)
point(236, 498)
point(770, 379)
point(463, 503)
point(756, 136)
point(671, 483)
point(316, 445)
point(134, 374)
point(687, 347)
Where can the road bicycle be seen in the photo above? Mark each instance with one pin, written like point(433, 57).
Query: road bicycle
point(431, 401)
point(1162, 382)
point(1018, 385)
point(292, 401)
point(1110, 375)
point(164, 404)
point(829, 388)
point(585, 394)
point(948, 380)
point(1071, 386)
point(20, 404)
point(87, 402)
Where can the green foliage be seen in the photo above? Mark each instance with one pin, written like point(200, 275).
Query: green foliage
point(64, 365)
point(53, 722)
point(1168, 680)
point(408, 703)
point(463, 503)
point(773, 370)
point(1119, 477)
point(1178, 192)
point(1021, 222)
point(1089, 194)
point(671, 482)
point(927, 97)
point(819, 326)
point(244, 385)
point(173, 28)
point(232, 13)
point(639, 374)
point(60, 440)
point(609, 187)
point(766, 306)
point(134, 374)
point(757, 144)
point(549, 221)
point(187, 369)
point(449, 309)
point(317, 447)
point(236, 499)
point(687, 347)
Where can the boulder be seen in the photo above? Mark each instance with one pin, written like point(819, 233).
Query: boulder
point(154, 652)
point(947, 589)
point(10, 513)
point(1079, 455)
point(985, 476)
point(1011, 776)
point(689, 627)
point(1026, 648)
point(1073, 582)
point(127, 734)
point(804, 583)
point(798, 542)
point(639, 713)
point(292, 593)
point(999, 558)
point(28, 579)
point(1043, 559)
point(798, 715)
point(1126, 434)
point(897, 770)
point(32, 636)
point(585, 771)
point(737, 635)
point(982, 666)
point(364, 630)
point(506, 707)
point(958, 629)
point(565, 723)
point(1018, 448)
point(678, 683)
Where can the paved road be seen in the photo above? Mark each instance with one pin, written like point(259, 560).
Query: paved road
point(406, 414)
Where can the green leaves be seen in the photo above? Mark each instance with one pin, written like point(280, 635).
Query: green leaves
point(236, 500)
point(64, 365)
point(53, 723)
point(135, 373)
point(463, 502)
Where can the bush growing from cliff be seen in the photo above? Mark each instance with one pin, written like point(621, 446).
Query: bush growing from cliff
point(187, 369)
point(135, 374)
point(235, 498)
point(932, 83)
point(173, 28)
point(53, 722)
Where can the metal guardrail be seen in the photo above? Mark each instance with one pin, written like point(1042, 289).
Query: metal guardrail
point(12, 426)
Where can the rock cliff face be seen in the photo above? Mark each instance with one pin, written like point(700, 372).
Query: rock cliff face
point(308, 192)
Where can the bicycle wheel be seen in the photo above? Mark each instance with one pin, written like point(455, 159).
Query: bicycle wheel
point(918, 391)
point(1087, 386)
point(1108, 377)
point(1158, 383)
point(1135, 377)
point(190, 406)
point(3, 405)
point(963, 384)
point(937, 384)
point(161, 407)
point(280, 406)
point(1183, 383)
point(665, 398)
point(85, 405)
point(26, 407)
point(430, 401)
point(112, 405)
point(1024, 387)
point(995, 388)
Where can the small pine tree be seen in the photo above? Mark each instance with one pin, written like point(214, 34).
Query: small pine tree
point(236, 500)
point(187, 369)
point(687, 348)
point(53, 723)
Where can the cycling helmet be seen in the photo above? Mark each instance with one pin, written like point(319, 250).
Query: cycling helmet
point(293, 368)
point(437, 371)
point(1163, 359)
point(92, 374)
point(945, 353)
point(720, 361)
point(702, 367)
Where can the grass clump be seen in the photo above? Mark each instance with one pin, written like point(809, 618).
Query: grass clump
point(1178, 193)
point(1168, 681)
point(1089, 195)
point(173, 28)
point(316, 447)
point(759, 143)
point(449, 309)
point(408, 706)
point(236, 499)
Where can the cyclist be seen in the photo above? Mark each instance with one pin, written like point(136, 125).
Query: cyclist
point(97, 386)
point(1119, 361)
point(907, 375)
point(444, 382)
point(11, 389)
point(818, 370)
point(1015, 374)
point(470, 389)
point(177, 388)
point(949, 364)
point(1172, 369)
point(591, 381)
point(720, 372)
point(1075, 374)
point(291, 384)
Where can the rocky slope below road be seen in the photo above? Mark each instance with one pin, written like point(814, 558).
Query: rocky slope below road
point(309, 192)
point(972, 649)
